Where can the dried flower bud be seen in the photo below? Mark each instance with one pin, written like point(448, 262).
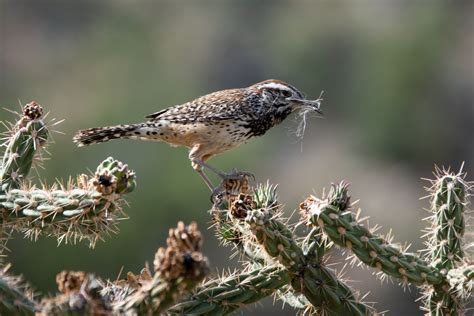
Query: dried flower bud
point(70, 281)
point(32, 111)
point(241, 204)
point(183, 255)
point(104, 182)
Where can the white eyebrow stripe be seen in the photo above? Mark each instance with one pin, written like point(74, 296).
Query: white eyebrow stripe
point(274, 85)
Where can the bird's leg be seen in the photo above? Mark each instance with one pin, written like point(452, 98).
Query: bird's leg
point(206, 179)
point(211, 168)
point(216, 192)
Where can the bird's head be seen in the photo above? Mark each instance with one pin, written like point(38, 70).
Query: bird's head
point(286, 97)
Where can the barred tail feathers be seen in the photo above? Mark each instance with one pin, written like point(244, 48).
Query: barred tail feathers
point(98, 135)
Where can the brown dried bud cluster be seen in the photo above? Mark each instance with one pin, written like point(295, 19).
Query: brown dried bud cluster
point(183, 256)
point(80, 295)
point(105, 182)
point(241, 205)
point(70, 281)
point(32, 111)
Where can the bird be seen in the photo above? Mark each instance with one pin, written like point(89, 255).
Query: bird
point(214, 123)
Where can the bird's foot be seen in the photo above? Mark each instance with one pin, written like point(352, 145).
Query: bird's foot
point(232, 184)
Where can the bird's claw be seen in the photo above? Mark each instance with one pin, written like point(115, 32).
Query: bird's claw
point(232, 184)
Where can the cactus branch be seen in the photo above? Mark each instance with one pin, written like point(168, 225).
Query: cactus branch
point(445, 244)
point(229, 293)
point(22, 144)
point(84, 209)
point(333, 215)
point(322, 288)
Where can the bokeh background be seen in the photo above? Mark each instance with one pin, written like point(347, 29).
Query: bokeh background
point(399, 89)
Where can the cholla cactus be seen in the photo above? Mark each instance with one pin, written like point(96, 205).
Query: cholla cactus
point(444, 275)
point(84, 209)
point(276, 261)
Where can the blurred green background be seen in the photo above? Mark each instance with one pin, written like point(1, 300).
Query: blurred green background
point(398, 80)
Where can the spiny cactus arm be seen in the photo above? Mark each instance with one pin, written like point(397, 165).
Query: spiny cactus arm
point(447, 221)
point(449, 194)
point(227, 218)
point(178, 269)
point(232, 232)
point(342, 227)
point(79, 295)
point(230, 293)
point(86, 209)
point(322, 288)
point(23, 143)
point(15, 296)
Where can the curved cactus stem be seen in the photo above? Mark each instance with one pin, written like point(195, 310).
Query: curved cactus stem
point(230, 293)
point(85, 209)
point(320, 285)
point(342, 227)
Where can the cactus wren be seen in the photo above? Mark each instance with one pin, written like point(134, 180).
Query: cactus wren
point(214, 123)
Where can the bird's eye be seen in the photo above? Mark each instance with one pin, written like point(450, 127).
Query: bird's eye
point(286, 93)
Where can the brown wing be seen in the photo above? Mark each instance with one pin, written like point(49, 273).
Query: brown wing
point(217, 106)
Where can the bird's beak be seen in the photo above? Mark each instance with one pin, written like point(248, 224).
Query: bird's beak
point(314, 105)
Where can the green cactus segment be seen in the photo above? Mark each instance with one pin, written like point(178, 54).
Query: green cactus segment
point(14, 297)
point(445, 245)
point(277, 239)
point(157, 295)
point(448, 205)
point(28, 136)
point(232, 232)
point(228, 294)
point(340, 225)
point(328, 294)
point(316, 245)
point(84, 210)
